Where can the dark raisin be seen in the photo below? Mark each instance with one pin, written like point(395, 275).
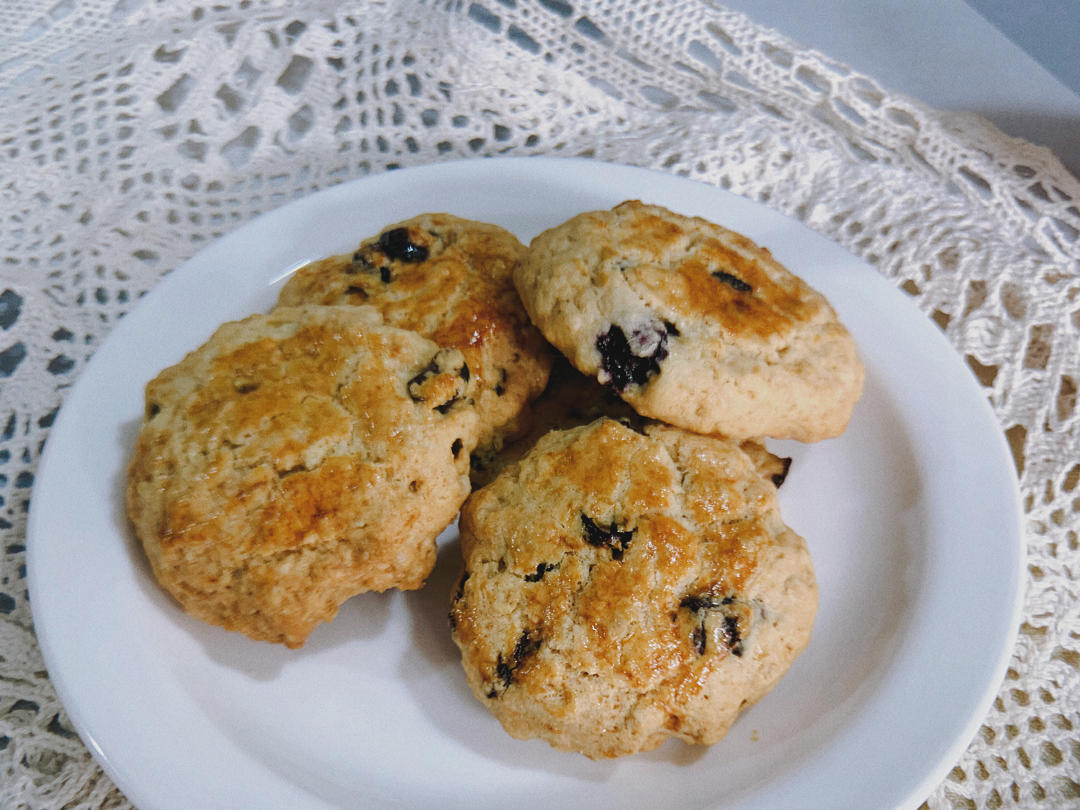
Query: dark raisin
point(440, 364)
point(606, 537)
point(704, 601)
point(446, 406)
point(541, 569)
point(352, 289)
point(420, 379)
point(492, 694)
point(779, 478)
point(698, 602)
point(671, 329)
point(360, 261)
point(152, 410)
point(455, 448)
point(734, 282)
point(384, 275)
point(245, 386)
point(527, 645)
point(460, 592)
point(731, 635)
point(437, 365)
point(631, 360)
point(504, 671)
point(698, 638)
point(500, 386)
point(396, 244)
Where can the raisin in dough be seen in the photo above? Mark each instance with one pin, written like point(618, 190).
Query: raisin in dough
point(620, 589)
point(692, 324)
point(296, 459)
point(450, 279)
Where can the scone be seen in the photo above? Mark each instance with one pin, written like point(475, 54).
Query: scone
point(570, 400)
point(620, 589)
point(296, 459)
point(449, 279)
point(692, 324)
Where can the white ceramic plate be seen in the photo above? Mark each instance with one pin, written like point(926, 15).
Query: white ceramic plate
point(912, 518)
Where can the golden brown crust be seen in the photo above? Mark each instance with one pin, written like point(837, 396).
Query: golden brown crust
point(620, 589)
point(692, 324)
point(297, 459)
point(450, 280)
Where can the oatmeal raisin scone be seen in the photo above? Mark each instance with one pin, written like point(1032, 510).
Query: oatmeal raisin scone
point(620, 589)
point(692, 324)
point(450, 280)
point(296, 459)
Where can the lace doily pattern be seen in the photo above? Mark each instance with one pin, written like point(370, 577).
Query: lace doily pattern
point(134, 133)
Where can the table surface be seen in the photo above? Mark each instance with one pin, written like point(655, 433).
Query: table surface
point(135, 133)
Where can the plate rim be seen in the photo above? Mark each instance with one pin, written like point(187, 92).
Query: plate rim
point(45, 634)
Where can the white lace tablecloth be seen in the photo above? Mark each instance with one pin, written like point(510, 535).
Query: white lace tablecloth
point(132, 133)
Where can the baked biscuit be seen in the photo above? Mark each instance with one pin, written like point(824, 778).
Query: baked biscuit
point(570, 400)
point(449, 279)
point(296, 459)
point(620, 589)
point(692, 324)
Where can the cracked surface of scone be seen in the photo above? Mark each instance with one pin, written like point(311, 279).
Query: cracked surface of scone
point(692, 324)
point(296, 459)
point(450, 279)
point(570, 400)
point(620, 589)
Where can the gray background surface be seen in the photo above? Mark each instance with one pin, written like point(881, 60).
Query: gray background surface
point(1015, 63)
